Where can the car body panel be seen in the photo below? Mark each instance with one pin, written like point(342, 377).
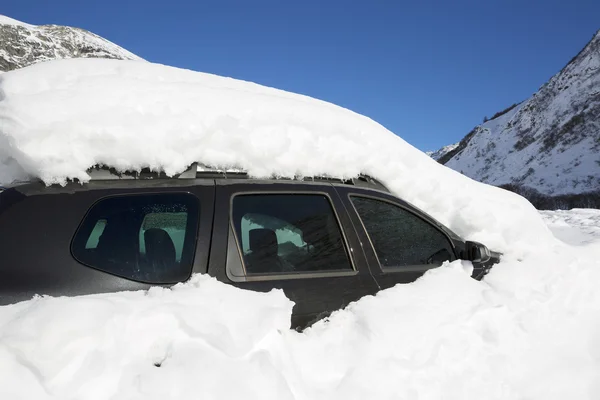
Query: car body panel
point(36, 240)
point(38, 223)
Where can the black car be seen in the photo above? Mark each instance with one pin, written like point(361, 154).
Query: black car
point(325, 242)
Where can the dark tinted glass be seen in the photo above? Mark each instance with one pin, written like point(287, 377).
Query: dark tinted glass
point(8, 198)
point(148, 238)
point(287, 233)
point(399, 237)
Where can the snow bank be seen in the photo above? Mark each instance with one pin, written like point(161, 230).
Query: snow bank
point(530, 331)
point(59, 118)
point(165, 342)
point(447, 337)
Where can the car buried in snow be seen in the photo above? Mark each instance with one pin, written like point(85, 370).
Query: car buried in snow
point(325, 242)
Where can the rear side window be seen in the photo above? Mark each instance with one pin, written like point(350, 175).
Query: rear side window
point(288, 233)
point(147, 238)
point(399, 237)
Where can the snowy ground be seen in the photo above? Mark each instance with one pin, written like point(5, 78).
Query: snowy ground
point(529, 330)
point(576, 227)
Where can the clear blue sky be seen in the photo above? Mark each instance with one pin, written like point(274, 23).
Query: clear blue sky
point(427, 70)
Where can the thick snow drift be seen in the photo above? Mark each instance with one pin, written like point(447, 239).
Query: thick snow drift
point(59, 118)
point(530, 330)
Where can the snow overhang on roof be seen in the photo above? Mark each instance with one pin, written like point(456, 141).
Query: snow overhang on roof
point(62, 117)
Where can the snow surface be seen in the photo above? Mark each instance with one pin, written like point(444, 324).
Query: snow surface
point(576, 227)
point(59, 118)
point(530, 330)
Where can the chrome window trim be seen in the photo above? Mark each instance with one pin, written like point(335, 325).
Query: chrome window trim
point(397, 268)
point(283, 276)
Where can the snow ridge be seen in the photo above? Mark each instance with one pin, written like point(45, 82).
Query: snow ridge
point(4, 20)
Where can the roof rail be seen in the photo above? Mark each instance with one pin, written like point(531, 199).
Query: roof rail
point(101, 173)
point(369, 182)
point(205, 171)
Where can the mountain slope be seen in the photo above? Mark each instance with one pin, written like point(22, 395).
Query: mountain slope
point(549, 143)
point(436, 155)
point(23, 44)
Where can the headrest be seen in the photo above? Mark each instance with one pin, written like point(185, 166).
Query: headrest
point(263, 240)
point(159, 247)
point(116, 243)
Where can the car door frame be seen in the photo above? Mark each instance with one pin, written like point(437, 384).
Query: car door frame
point(389, 277)
point(331, 290)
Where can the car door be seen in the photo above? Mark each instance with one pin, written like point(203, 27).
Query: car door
point(400, 242)
point(291, 236)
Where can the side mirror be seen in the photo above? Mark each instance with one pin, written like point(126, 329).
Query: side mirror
point(477, 252)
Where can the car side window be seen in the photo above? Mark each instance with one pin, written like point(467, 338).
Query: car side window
point(289, 238)
point(288, 233)
point(401, 238)
point(148, 238)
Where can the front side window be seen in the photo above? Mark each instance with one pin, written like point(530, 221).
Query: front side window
point(149, 238)
point(288, 233)
point(399, 237)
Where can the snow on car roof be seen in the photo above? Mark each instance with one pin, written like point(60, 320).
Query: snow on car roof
point(529, 330)
point(61, 117)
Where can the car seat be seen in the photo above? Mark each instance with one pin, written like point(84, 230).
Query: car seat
point(264, 248)
point(116, 251)
point(160, 253)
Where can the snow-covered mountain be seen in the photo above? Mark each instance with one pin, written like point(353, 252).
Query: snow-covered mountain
point(436, 155)
point(549, 143)
point(23, 44)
